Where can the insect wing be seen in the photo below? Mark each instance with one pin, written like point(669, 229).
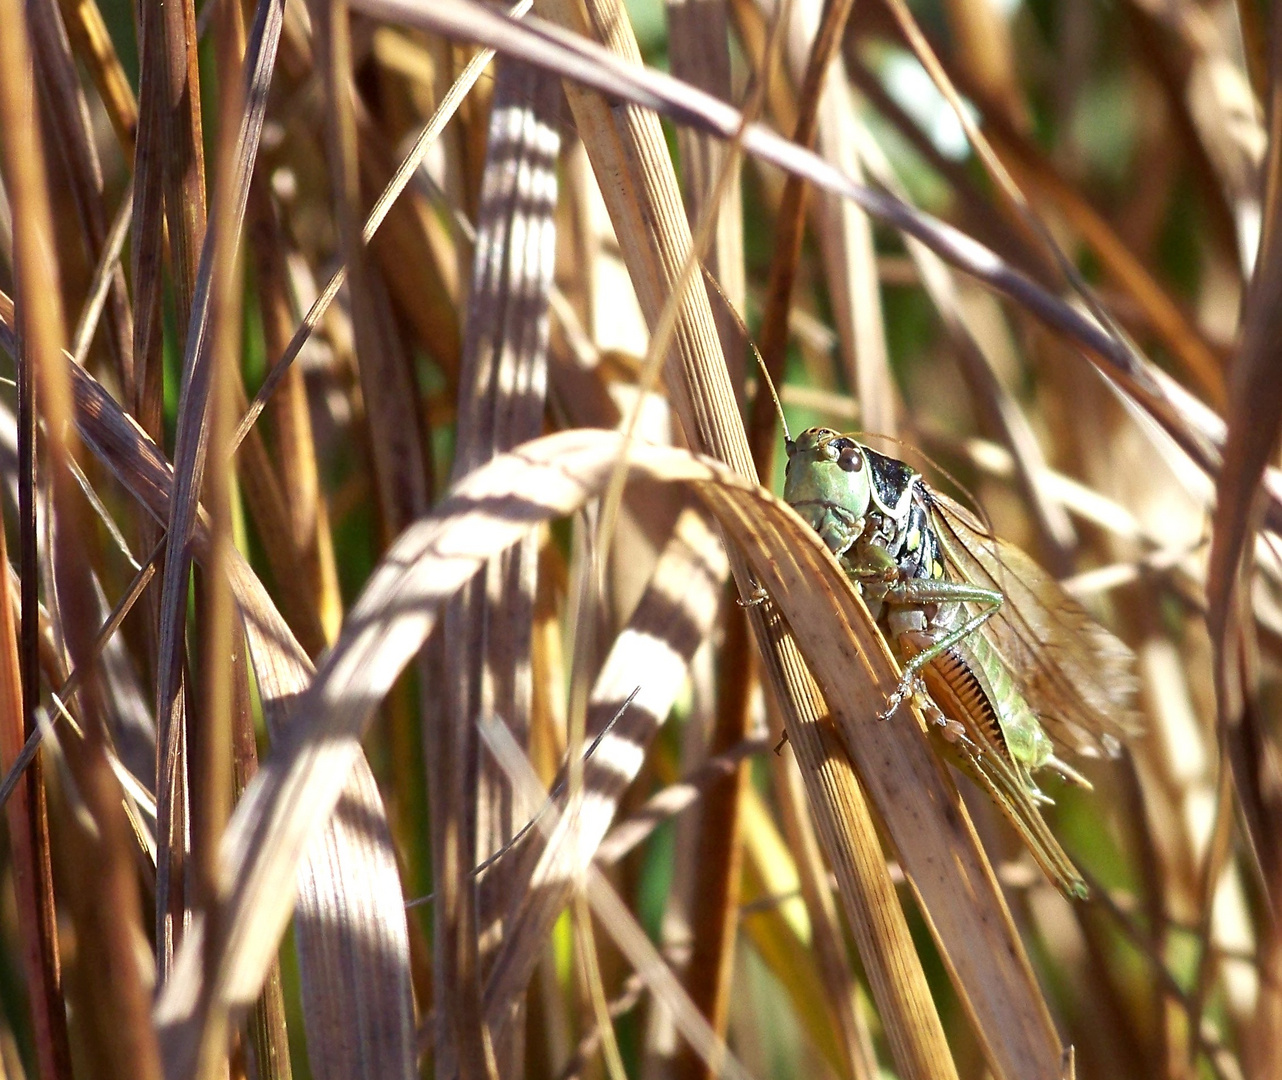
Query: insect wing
point(1074, 674)
point(999, 780)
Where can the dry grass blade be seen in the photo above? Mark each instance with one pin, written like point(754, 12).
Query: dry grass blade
point(350, 910)
point(266, 1035)
point(846, 242)
point(356, 978)
point(300, 782)
point(647, 215)
point(269, 503)
point(220, 694)
point(649, 658)
point(525, 205)
point(189, 456)
point(63, 95)
point(18, 766)
point(402, 483)
point(488, 627)
point(387, 382)
point(1191, 426)
point(385, 629)
point(662, 256)
point(700, 54)
point(773, 336)
point(105, 274)
point(404, 172)
point(102, 890)
point(306, 523)
point(29, 834)
point(837, 978)
point(619, 922)
point(1255, 421)
point(95, 48)
point(171, 112)
point(147, 253)
point(672, 800)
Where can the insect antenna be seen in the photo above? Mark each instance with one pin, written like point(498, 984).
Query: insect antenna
point(774, 396)
point(761, 363)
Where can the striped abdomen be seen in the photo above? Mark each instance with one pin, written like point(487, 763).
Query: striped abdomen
point(971, 685)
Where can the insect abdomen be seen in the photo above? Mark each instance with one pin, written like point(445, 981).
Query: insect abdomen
point(972, 685)
point(956, 687)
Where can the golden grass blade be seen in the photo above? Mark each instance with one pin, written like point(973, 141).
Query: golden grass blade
point(191, 445)
point(1005, 184)
point(350, 913)
point(668, 802)
point(772, 339)
point(220, 692)
point(104, 276)
point(28, 824)
point(268, 500)
point(418, 256)
point(299, 784)
point(387, 383)
point(92, 42)
point(635, 174)
point(1190, 424)
point(1154, 125)
point(1255, 420)
point(653, 653)
point(124, 705)
point(708, 1046)
point(96, 864)
point(145, 395)
point(844, 233)
point(306, 510)
point(266, 1031)
point(837, 980)
point(18, 765)
point(986, 53)
point(356, 989)
point(63, 96)
point(412, 161)
point(172, 83)
point(486, 643)
point(699, 49)
point(654, 234)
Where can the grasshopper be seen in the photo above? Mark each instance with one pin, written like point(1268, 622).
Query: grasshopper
point(993, 650)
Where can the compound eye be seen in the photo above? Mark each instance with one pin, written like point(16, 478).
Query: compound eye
point(850, 458)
